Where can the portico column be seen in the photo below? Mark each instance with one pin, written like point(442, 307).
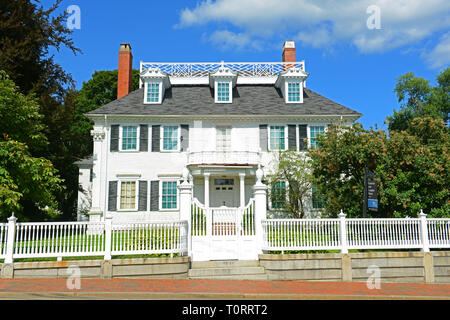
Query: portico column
point(206, 175)
point(242, 189)
point(99, 158)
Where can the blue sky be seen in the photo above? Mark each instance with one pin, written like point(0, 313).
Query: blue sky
point(348, 62)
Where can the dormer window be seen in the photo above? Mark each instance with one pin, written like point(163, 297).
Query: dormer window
point(222, 81)
point(293, 92)
point(152, 92)
point(155, 83)
point(223, 91)
point(291, 83)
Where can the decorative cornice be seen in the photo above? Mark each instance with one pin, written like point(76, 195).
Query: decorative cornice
point(119, 118)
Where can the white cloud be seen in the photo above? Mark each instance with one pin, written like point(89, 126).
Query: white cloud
point(228, 40)
point(322, 23)
point(440, 55)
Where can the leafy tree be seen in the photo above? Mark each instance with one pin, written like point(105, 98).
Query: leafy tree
point(28, 32)
point(415, 172)
point(295, 169)
point(28, 184)
point(420, 99)
point(338, 166)
point(19, 115)
point(29, 35)
point(412, 168)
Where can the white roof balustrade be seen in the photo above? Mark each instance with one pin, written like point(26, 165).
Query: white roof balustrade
point(198, 72)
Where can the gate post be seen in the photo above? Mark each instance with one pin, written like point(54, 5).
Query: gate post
point(185, 189)
point(260, 195)
point(424, 231)
point(10, 239)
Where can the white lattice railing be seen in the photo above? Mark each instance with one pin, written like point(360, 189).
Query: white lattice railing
point(438, 233)
point(301, 234)
point(3, 236)
point(201, 70)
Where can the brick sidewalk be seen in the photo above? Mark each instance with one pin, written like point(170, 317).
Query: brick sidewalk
point(216, 289)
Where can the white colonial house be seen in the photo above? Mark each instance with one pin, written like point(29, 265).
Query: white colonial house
point(193, 143)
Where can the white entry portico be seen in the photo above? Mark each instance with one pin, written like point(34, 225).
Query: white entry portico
point(223, 224)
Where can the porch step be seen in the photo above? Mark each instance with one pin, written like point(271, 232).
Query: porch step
point(224, 264)
point(235, 270)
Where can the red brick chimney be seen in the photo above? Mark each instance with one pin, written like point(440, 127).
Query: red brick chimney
point(288, 53)
point(125, 70)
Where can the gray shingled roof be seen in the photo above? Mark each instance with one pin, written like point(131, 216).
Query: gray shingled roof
point(247, 100)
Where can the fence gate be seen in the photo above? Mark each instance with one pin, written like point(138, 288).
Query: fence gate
point(223, 233)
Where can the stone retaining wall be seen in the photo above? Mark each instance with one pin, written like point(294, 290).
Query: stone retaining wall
point(431, 267)
point(441, 261)
point(117, 268)
point(323, 267)
point(418, 267)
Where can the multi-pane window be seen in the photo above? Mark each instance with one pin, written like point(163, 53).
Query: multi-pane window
point(152, 92)
point(223, 138)
point(277, 138)
point(318, 202)
point(223, 92)
point(278, 196)
point(129, 138)
point(128, 195)
point(169, 195)
point(170, 138)
point(293, 91)
point(314, 132)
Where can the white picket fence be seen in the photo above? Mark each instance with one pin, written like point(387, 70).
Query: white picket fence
point(103, 238)
point(344, 234)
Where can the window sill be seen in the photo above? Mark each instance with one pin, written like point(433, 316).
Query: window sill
point(129, 151)
point(170, 151)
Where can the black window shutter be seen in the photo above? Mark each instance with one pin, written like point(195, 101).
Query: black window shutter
point(184, 137)
point(112, 196)
point(155, 138)
point(263, 137)
point(303, 137)
point(292, 137)
point(143, 137)
point(142, 200)
point(154, 196)
point(114, 143)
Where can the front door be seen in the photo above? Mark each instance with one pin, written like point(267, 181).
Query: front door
point(223, 193)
